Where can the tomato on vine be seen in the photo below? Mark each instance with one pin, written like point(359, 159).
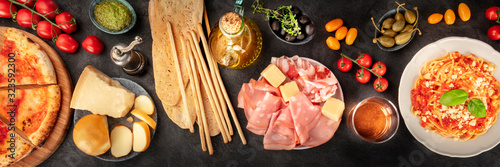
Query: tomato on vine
point(379, 68)
point(344, 64)
point(29, 3)
point(380, 84)
point(67, 22)
point(364, 59)
point(47, 31)
point(7, 9)
point(48, 8)
point(24, 18)
point(492, 13)
point(363, 75)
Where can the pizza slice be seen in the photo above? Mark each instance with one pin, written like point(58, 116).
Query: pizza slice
point(24, 62)
point(35, 110)
point(12, 147)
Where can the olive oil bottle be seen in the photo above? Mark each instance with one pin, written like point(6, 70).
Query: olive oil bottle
point(235, 41)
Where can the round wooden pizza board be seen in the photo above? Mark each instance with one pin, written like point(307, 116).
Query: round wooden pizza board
point(61, 126)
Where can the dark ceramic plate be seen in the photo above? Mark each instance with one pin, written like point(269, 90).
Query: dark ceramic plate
point(296, 42)
point(112, 122)
point(392, 13)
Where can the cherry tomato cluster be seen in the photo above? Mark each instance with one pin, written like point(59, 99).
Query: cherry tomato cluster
point(493, 13)
point(364, 61)
point(341, 33)
point(32, 12)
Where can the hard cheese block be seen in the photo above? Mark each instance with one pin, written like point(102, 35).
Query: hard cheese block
point(99, 94)
point(288, 90)
point(333, 108)
point(273, 75)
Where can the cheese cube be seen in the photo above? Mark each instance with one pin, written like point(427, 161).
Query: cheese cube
point(273, 75)
point(288, 90)
point(333, 109)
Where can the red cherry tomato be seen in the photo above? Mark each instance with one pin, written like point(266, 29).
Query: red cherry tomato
point(6, 8)
point(24, 18)
point(363, 75)
point(66, 43)
point(365, 60)
point(48, 8)
point(379, 68)
point(93, 45)
point(380, 84)
point(47, 30)
point(494, 32)
point(67, 22)
point(344, 64)
point(492, 13)
point(29, 3)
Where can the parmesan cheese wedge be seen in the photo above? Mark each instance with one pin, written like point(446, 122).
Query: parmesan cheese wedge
point(99, 94)
point(121, 141)
point(142, 136)
point(144, 117)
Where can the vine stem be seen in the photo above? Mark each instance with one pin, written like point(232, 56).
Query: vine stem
point(35, 12)
point(363, 67)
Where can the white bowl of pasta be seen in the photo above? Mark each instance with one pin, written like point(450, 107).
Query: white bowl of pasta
point(469, 146)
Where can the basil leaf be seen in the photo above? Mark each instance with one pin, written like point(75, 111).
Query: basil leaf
point(454, 97)
point(476, 107)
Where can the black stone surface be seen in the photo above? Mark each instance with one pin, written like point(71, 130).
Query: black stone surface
point(172, 146)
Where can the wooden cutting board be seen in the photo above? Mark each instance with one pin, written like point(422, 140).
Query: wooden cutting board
point(61, 126)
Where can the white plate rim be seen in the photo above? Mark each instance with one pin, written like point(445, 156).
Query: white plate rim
point(435, 142)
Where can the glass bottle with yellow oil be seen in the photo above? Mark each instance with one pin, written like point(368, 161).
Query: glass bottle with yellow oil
point(235, 41)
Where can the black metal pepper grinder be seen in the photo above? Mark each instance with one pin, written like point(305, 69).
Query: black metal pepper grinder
point(131, 61)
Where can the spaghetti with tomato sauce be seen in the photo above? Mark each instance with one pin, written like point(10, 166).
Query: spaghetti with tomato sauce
point(455, 71)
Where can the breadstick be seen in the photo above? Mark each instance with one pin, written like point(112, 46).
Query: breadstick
point(214, 76)
point(179, 75)
point(202, 68)
point(224, 92)
point(196, 103)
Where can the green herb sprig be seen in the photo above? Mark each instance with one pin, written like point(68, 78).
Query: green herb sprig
point(283, 14)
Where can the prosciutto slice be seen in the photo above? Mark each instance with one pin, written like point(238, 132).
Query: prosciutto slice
point(259, 100)
point(314, 80)
point(281, 134)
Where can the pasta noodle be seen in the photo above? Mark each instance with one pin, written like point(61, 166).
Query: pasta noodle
point(455, 71)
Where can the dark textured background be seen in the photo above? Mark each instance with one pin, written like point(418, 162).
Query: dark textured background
point(172, 146)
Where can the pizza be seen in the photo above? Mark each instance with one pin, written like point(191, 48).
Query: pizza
point(32, 66)
point(30, 98)
point(12, 147)
point(36, 110)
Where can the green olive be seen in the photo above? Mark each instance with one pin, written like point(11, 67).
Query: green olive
point(403, 37)
point(390, 33)
point(399, 17)
point(385, 41)
point(407, 28)
point(398, 26)
point(410, 17)
point(387, 24)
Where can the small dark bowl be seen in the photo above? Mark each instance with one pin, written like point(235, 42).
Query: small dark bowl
point(296, 42)
point(392, 13)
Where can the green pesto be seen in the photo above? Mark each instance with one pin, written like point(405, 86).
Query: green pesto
point(113, 15)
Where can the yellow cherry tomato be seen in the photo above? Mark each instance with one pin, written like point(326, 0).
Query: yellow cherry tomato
point(449, 17)
point(463, 12)
point(341, 33)
point(435, 18)
point(351, 36)
point(334, 25)
point(333, 43)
